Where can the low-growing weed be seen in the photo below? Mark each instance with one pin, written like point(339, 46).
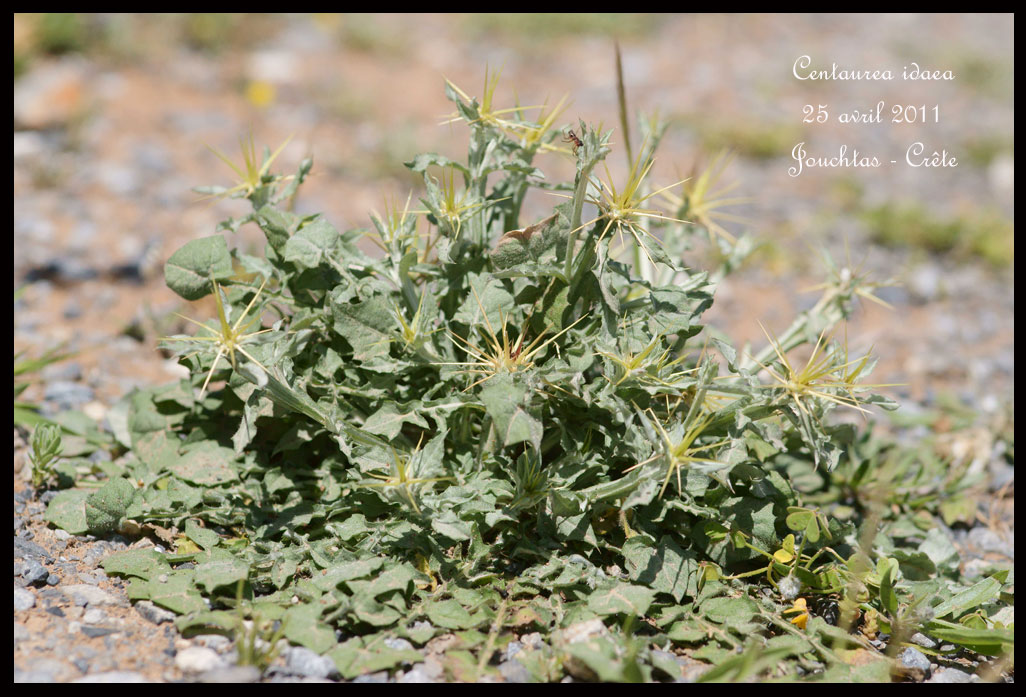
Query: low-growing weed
point(501, 429)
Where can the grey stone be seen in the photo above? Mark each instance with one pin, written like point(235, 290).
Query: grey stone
point(23, 599)
point(231, 674)
point(156, 615)
point(513, 648)
point(23, 549)
point(952, 675)
point(921, 639)
point(199, 659)
point(114, 676)
point(68, 395)
point(33, 676)
point(398, 644)
point(914, 658)
point(94, 616)
point(82, 595)
point(71, 371)
point(34, 573)
point(214, 641)
point(303, 661)
point(416, 674)
point(380, 677)
point(29, 145)
point(514, 671)
point(925, 282)
point(57, 669)
point(987, 540)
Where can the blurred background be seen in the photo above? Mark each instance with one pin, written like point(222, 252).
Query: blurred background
point(113, 115)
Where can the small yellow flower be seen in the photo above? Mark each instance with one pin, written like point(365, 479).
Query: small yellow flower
point(801, 608)
point(260, 93)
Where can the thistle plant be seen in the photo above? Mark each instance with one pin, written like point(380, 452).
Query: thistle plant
point(227, 338)
point(622, 209)
point(501, 425)
point(251, 175)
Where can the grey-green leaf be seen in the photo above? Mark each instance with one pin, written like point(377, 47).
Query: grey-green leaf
point(190, 270)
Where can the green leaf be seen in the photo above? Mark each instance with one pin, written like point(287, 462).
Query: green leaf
point(367, 609)
point(888, 597)
point(451, 615)
point(507, 403)
point(204, 537)
point(278, 226)
point(621, 598)
point(67, 511)
point(176, 592)
point(989, 642)
point(312, 245)
point(144, 563)
point(980, 593)
point(219, 567)
point(302, 625)
point(369, 326)
point(347, 571)
point(665, 567)
point(190, 270)
point(206, 463)
point(388, 421)
point(358, 656)
point(105, 508)
point(735, 612)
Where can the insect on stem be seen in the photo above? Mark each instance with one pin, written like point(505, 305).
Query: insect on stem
point(571, 137)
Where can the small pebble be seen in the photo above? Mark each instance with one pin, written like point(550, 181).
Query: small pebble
point(34, 573)
point(68, 395)
point(199, 659)
point(83, 594)
point(513, 648)
point(914, 658)
point(303, 661)
point(380, 677)
point(398, 644)
point(416, 674)
point(921, 639)
point(514, 671)
point(94, 616)
point(114, 676)
point(952, 675)
point(23, 599)
point(156, 615)
point(231, 674)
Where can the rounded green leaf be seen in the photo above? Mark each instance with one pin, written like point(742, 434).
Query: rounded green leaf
point(105, 508)
point(191, 269)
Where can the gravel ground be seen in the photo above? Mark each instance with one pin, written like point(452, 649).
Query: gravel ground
point(106, 150)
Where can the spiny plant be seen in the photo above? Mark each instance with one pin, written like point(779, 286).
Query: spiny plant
point(502, 424)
